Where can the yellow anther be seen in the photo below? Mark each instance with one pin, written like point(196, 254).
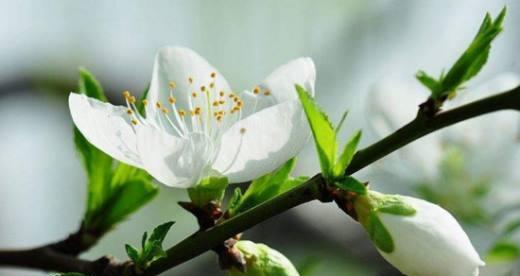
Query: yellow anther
point(190, 80)
point(221, 102)
point(132, 99)
point(203, 88)
point(219, 118)
point(211, 85)
point(129, 111)
point(134, 122)
point(172, 85)
point(256, 90)
point(236, 99)
point(213, 74)
point(194, 95)
point(231, 95)
point(197, 111)
point(221, 93)
point(182, 113)
point(145, 102)
point(267, 92)
point(192, 113)
point(240, 103)
point(158, 104)
point(164, 110)
point(171, 100)
point(126, 94)
point(242, 130)
point(215, 103)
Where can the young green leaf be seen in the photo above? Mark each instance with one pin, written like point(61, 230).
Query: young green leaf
point(503, 251)
point(346, 156)
point(349, 183)
point(97, 164)
point(322, 130)
point(90, 86)
point(341, 121)
point(132, 253)
point(265, 188)
point(159, 233)
point(469, 63)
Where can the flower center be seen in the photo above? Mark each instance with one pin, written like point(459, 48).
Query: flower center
point(209, 111)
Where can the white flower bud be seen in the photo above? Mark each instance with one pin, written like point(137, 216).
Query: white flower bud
point(417, 237)
point(261, 260)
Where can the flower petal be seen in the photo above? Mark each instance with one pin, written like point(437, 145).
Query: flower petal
point(262, 142)
point(105, 126)
point(280, 84)
point(180, 65)
point(173, 161)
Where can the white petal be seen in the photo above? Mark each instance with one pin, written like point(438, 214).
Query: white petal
point(431, 242)
point(105, 126)
point(178, 64)
point(280, 84)
point(262, 142)
point(173, 161)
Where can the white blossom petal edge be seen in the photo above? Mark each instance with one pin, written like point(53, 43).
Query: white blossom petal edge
point(196, 126)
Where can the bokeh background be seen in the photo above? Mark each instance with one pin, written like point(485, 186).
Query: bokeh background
point(358, 46)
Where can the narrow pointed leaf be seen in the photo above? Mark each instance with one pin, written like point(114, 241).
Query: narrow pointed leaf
point(322, 131)
point(132, 253)
point(349, 183)
point(346, 155)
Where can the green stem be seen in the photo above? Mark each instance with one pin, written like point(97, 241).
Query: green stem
point(422, 125)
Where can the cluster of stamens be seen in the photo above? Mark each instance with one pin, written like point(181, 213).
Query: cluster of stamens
point(218, 104)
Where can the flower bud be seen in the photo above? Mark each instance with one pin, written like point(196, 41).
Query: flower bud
point(417, 237)
point(261, 260)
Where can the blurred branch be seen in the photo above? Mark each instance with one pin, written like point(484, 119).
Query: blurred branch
point(422, 125)
point(47, 257)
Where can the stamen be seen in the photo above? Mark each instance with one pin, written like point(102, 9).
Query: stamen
point(267, 92)
point(213, 75)
point(221, 93)
point(256, 91)
point(158, 105)
point(145, 102)
point(212, 85)
point(129, 111)
point(172, 85)
point(134, 121)
point(126, 94)
point(194, 94)
point(172, 100)
point(242, 130)
point(190, 80)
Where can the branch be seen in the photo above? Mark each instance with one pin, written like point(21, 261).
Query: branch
point(313, 189)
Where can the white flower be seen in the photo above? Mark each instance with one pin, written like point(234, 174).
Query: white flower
point(427, 242)
point(195, 126)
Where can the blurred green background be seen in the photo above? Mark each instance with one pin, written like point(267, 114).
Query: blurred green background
point(358, 47)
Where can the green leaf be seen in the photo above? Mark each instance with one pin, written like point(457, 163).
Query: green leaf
point(428, 81)
point(209, 189)
point(235, 200)
point(341, 121)
point(346, 156)
point(266, 187)
point(379, 234)
point(144, 239)
point(90, 86)
point(511, 228)
point(349, 183)
point(132, 253)
point(322, 130)
point(469, 63)
point(126, 199)
point(159, 233)
point(503, 251)
point(97, 164)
